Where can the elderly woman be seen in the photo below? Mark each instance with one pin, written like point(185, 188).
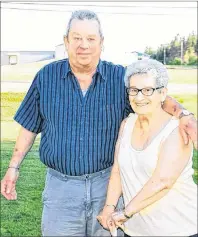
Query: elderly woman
point(152, 166)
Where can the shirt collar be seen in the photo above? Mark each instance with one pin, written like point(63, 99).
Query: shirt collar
point(67, 69)
point(99, 69)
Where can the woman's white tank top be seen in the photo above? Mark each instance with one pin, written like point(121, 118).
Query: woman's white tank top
point(173, 215)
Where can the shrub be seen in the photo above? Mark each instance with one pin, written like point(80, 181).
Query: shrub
point(175, 61)
point(192, 60)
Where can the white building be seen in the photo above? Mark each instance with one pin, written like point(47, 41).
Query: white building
point(60, 52)
point(18, 57)
point(115, 56)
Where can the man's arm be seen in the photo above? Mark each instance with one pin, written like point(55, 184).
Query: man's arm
point(172, 107)
point(23, 144)
point(188, 124)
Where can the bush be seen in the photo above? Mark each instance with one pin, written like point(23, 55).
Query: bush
point(192, 60)
point(175, 61)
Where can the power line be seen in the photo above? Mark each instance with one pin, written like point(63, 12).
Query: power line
point(113, 13)
point(31, 9)
point(92, 5)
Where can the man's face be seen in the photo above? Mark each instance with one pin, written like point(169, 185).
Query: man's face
point(84, 42)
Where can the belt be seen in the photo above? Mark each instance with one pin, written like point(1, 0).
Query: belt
point(81, 177)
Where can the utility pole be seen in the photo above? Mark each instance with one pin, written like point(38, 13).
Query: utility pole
point(163, 46)
point(182, 50)
point(164, 55)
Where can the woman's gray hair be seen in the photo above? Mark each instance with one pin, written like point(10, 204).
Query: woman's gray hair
point(151, 66)
point(82, 15)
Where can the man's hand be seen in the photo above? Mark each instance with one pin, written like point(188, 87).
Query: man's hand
point(8, 184)
point(119, 217)
point(104, 215)
point(188, 124)
point(188, 129)
point(116, 220)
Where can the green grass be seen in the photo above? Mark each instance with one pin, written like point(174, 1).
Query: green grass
point(183, 76)
point(23, 216)
point(22, 72)
point(188, 101)
point(26, 72)
point(195, 166)
point(181, 66)
point(9, 105)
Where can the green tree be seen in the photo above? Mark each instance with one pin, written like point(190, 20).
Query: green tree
point(191, 49)
point(149, 50)
point(173, 50)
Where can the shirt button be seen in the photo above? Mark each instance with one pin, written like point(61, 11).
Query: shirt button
point(81, 138)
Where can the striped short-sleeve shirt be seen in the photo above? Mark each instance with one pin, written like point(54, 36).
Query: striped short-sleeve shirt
point(78, 133)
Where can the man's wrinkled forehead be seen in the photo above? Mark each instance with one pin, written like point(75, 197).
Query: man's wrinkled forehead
point(85, 26)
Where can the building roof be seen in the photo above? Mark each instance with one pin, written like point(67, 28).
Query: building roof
point(140, 53)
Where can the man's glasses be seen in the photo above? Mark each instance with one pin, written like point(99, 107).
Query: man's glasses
point(148, 91)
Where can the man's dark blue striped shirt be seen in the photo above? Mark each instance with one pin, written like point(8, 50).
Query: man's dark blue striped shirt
point(78, 134)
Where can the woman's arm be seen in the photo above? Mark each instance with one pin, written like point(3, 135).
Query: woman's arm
point(173, 157)
point(114, 187)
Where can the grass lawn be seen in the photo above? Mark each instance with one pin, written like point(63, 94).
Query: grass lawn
point(9, 104)
point(188, 101)
point(26, 72)
point(23, 217)
point(183, 76)
point(22, 72)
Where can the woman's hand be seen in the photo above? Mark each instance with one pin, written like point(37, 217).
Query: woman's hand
point(105, 215)
point(119, 218)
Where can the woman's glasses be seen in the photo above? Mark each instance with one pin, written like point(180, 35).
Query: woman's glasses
point(148, 91)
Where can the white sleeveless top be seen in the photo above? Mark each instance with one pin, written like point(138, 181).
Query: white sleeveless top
point(173, 215)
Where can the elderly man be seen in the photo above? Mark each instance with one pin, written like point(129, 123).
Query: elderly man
point(77, 104)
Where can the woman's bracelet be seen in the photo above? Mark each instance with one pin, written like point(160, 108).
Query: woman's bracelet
point(110, 205)
point(124, 213)
point(12, 167)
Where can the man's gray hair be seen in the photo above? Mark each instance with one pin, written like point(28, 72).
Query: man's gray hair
point(151, 66)
point(82, 15)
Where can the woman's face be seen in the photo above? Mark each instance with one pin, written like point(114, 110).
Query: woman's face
point(150, 100)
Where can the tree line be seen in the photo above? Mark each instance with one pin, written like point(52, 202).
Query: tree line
point(179, 51)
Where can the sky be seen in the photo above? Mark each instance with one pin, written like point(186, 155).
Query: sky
point(127, 26)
